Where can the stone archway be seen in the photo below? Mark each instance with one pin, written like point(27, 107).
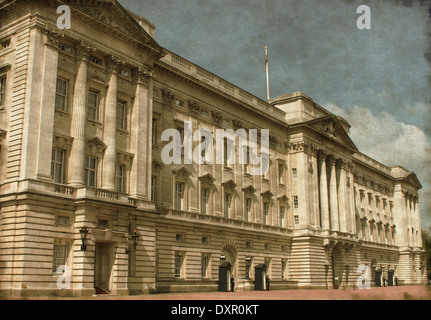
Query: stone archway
point(229, 253)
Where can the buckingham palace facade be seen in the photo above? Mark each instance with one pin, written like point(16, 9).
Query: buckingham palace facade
point(85, 192)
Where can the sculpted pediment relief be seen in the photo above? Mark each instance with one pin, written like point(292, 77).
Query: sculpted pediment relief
point(113, 15)
point(330, 127)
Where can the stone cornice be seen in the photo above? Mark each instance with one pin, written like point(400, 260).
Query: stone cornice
point(168, 70)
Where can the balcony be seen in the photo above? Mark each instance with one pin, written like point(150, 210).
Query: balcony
point(225, 222)
point(68, 192)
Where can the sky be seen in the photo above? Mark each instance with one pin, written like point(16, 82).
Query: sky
point(378, 79)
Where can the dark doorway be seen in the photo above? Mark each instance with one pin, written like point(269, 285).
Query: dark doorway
point(378, 278)
point(224, 275)
point(390, 278)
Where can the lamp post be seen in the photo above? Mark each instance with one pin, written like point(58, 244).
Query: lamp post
point(135, 238)
point(83, 232)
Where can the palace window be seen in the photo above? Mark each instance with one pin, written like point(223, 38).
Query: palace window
point(295, 202)
point(179, 194)
point(282, 212)
point(153, 188)
point(57, 165)
point(90, 171)
point(2, 90)
point(154, 132)
point(265, 212)
point(204, 200)
point(121, 115)
point(296, 219)
point(93, 105)
point(59, 256)
point(280, 173)
point(178, 264)
point(227, 204)
point(120, 175)
point(62, 221)
point(247, 267)
point(204, 265)
point(247, 207)
point(283, 268)
point(294, 173)
point(61, 95)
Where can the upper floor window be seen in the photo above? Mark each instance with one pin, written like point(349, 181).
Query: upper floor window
point(204, 200)
point(57, 165)
point(122, 115)
point(93, 105)
point(90, 171)
point(120, 175)
point(281, 173)
point(61, 95)
point(179, 193)
point(295, 202)
point(154, 132)
point(247, 206)
point(153, 188)
point(294, 173)
point(265, 212)
point(2, 90)
point(227, 204)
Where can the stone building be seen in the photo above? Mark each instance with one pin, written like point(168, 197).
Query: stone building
point(81, 121)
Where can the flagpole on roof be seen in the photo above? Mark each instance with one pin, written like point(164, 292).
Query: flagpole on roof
point(267, 72)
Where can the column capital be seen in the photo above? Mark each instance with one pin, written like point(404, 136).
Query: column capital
point(83, 50)
point(142, 75)
point(113, 63)
point(53, 37)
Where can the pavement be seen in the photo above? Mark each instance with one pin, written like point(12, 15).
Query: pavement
point(374, 293)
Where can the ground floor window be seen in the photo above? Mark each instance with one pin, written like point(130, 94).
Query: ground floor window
point(59, 256)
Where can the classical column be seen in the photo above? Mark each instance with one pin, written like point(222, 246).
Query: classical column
point(323, 191)
point(49, 65)
point(342, 195)
point(110, 123)
point(418, 221)
point(333, 196)
point(140, 139)
point(313, 169)
point(351, 208)
point(79, 116)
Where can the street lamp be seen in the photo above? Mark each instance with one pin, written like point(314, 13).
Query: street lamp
point(222, 257)
point(135, 238)
point(83, 232)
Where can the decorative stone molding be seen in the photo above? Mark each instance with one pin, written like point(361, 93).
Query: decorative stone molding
point(298, 147)
point(156, 166)
point(194, 108)
point(267, 195)
point(217, 117)
point(53, 37)
point(113, 63)
point(95, 147)
point(142, 75)
point(84, 50)
point(181, 174)
point(168, 96)
point(229, 185)
point(207, 180)
point(283, 199)
point(249, 191)
point(237, 124)
point(328, 128)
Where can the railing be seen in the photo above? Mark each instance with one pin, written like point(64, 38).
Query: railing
point(225, 221)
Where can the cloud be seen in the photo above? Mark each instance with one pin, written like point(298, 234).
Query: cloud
point(391, 142)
